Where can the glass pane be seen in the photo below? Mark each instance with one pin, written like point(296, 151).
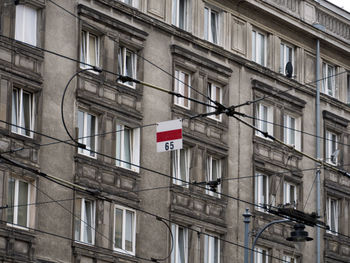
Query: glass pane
point(22, 203)
point(93, 132)
point(206, 249)
point(264, 118)
point(27, 110)
point(181, 245)
point(282, 64)
point(292, 131)
point(129, 231)
point(118, 143)
point(264, 193)
point(183, 165)
point(129, 66)
point(289, 54)
point(186, 89)
point(216, 250)
point(182, 14)
point(77, 217)
point(30, 24)
point(14, 109)
point(206, 18)
point(19, 30)
point(92, 49)
point(88, 131)
point(88, 222)
point(81, 126)
point(292, 194)
point(174, 13)
point(10, 199)
point(83, 47)
point(262, 49)
point(175, 165)
point(254, 46)
point(173, 231)
point(214, 27)
point(118, 226)
point(127, 148)
point(120, 62)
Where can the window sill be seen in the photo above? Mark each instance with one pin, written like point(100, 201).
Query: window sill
point(124, 252)
point(24, 228)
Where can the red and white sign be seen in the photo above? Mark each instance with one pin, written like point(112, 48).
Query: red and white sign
point(169, 135)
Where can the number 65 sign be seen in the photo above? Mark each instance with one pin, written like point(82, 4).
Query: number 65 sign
point(169, 135)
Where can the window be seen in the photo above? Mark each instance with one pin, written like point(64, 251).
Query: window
point(128, 147)
point(332, 150)
point(289, 259)
point(180, 246)
point(133, 3)
point(180, 14)
point(26, 24)
point(87, 126)
point(332, 215)
point(127, 64)
point(182, 86)
point(124, 230)
point(211, 25)
point(290, 194)
point(89, 49)
point(18, 196)
point(261, 255)
point(261, 190)
point(259, 48)
point(215, 94)
point(264, 115)
point(291, 134)
point(211, 249)
point(84, 221)
point(181, 166)
point(213, 174)
point(328, 79)
point(287, 55)
point(348, 89)
point(22, 112)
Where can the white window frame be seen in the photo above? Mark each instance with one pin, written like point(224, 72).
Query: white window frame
point(15, 203)
point(289, 259)
point(83, 139)
point(83, 221)
point(330, 217)
point(176, 11)
point(289, 131)
point(134, 146)
point(208, 32)
point(208, 250)
point(286, 193)
point(259, 190)
point(261, 255)
point(133, 3)
point(176, 244)
point(123, 250)
point(284, 58)
point(328, 79)
point(256, 47)
point(180, 87)
point(20, 113)
point(210, 160)
point(85, 36)
point(212, 87)
point(176, 166)
point(122, 65)
point(329, 145)
point(26, 20)
point(265, 125)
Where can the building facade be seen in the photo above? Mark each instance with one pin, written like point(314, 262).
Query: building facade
point(121, 192)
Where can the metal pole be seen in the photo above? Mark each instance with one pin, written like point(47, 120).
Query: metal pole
point(246, 221)
point(318, 152)
point(260, 232)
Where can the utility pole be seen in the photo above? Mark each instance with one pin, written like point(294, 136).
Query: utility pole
point(246, 221)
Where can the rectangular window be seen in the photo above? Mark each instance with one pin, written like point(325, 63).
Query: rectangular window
point(286, 55)
point(181, 166)
point(259, 48)
point(215, 94)
point(84, 221)
point(124, 230)
point(289, 259)
point(290, 194)
point(22, 112)
point(214, 172)
point(211, 249)
point(127, 147)
point(18, 196)
point(348, 89)
point(180, 12)
point(332, 150)
point(133, 3)
point(89, 49)
point(180, 249)
point(264, 119)
point(182, 86)
point(261, 255)
point(26, 24)
point(211, 25)
point(328, 79)
point(127, 64)
point(332, 207)
point(261, 190)
point(87, 126)
point(291, 131)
